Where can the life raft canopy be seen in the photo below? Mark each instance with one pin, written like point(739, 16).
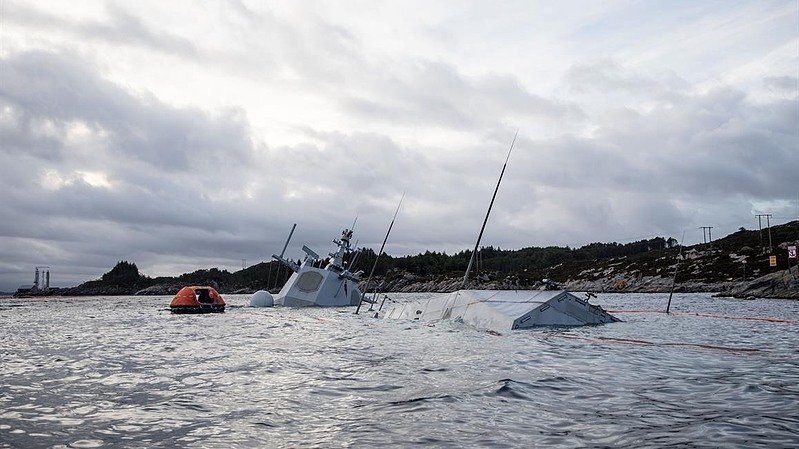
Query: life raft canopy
point(197, 299)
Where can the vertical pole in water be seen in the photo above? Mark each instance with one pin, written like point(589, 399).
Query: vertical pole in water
point(381, 304)
point(674, 278)
point(485, 221)
point(374, 265)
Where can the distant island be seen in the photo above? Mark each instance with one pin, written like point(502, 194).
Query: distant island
point(736, 265)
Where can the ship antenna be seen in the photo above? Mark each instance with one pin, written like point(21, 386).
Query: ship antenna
point(485, 221)
point(674, 277)
point(369, 279)
point(354, 221)
point(293, 227)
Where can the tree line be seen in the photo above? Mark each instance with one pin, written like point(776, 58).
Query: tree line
point(497, 259)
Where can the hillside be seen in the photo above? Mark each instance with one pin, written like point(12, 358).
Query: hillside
point(642, 266)
point(645, 266)
point(125, 279)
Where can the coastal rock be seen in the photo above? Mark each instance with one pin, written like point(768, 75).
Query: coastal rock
point(160, 290)
point(782, 284)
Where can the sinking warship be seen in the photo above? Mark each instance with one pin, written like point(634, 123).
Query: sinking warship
point(335, 285)
point(503, 310)
point(332, 286)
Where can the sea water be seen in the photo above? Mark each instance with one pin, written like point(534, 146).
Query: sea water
point(124, 372)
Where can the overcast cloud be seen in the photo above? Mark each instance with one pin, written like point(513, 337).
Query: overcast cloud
point(184, 135)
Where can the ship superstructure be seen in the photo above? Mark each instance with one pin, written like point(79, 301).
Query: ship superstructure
point(332, 286)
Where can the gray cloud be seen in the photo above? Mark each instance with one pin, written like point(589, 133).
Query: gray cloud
point(329, 59)
point(631, 175)
point(122, 28)
point(782, 84)
point(161, 162)
point(46, 90)
point(92, 172)
point(697, 144)
point(434, 93)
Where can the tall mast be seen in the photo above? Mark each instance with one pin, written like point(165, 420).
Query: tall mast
point(369, 280)
point(488, 212)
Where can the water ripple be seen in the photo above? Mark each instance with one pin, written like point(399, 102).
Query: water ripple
point(111, 372)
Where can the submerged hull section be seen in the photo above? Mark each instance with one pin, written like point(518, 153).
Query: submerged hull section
point(317, 287)
point(506, 310)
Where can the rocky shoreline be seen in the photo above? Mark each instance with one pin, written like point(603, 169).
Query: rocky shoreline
point(780, 285)
point(735, 266)
point(783, 284)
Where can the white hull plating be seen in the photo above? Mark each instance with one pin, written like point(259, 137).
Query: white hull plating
point(317, 287)
point(505, 310)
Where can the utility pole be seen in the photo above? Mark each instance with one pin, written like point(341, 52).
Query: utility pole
point(768, 225)
point(760, 227)
point(709, 236)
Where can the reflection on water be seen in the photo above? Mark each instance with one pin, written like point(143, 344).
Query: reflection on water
point(98, 372)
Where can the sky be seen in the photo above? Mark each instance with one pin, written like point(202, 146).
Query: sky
point(190, 134)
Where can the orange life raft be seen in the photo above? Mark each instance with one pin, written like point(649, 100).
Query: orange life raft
point(197, 299)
